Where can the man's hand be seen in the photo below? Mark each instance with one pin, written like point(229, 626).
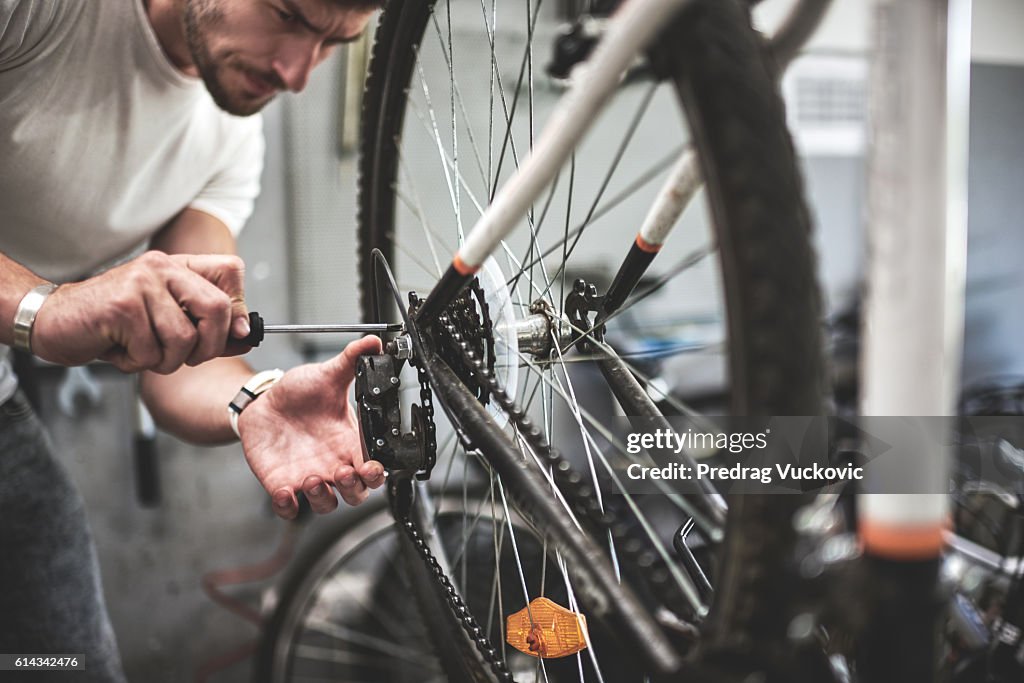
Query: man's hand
point(136, 316)
point(302, 435)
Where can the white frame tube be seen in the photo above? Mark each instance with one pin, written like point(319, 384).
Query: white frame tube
point(912, 329)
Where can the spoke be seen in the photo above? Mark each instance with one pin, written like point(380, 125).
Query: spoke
point(458, 97)
point(450, 164)
point(493, 68)
point(533, 245)
point(512, 257)
point(508, 140)
point(685, 584)
point(575, 607)
point(468, 533)
point(665, 352)
point(382, 617)
point(499, 543)
point(412, 256)
point(350, 635)
point(465, 516)
point(420, 214)
point(574, 406)
point(644, 179)
point(455, 128)
point(440, 145)
point(515, 552)
point(633, 125)
point(448, 469)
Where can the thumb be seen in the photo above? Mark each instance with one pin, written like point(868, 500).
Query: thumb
point(227, 273)
point(344, 364)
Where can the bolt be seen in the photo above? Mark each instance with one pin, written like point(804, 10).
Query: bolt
point(375, 391)
point(394, 431)
point(801, 628)
point(379, 443)
point(395, 380)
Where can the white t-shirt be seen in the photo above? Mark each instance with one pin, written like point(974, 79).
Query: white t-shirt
point(103, 141)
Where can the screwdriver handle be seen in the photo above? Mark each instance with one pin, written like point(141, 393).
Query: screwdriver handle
point(256, 331)
point(252, 340)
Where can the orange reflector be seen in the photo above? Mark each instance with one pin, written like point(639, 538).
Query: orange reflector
point(547, 630)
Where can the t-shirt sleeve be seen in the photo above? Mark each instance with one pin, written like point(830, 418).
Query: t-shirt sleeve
point(26, 26)
point(232, 190)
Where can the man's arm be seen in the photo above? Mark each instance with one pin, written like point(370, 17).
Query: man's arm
point(133, 316)
point(301, 435)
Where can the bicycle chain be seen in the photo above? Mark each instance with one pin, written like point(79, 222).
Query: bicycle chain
point(578, 493)
point(458, 606)
point(481, 328)
point(447, 589)
point(426, 403)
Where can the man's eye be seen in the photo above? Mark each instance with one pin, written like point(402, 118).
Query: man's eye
point(286, 17)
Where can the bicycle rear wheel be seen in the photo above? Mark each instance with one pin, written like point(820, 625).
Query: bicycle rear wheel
point(756, 266)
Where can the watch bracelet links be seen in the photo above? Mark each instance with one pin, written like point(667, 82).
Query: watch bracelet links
point(25, 315)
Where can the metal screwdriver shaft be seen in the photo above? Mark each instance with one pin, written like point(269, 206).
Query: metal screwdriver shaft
point(258, 329)
point(326, 329)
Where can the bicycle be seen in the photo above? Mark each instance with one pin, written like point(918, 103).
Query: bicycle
point(516, 496)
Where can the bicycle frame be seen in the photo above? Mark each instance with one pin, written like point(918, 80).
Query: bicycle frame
point(631, 29)
point(917, 266)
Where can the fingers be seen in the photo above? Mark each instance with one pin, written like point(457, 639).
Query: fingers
point(208, 306)
point(320, 495)
point(285, 505)
point(372, 474)
point(350, 486)
point(175, 334)
point(227, 273)
point(131, 314)
point(353, 486)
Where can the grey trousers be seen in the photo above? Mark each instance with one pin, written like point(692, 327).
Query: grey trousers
point(51, 602)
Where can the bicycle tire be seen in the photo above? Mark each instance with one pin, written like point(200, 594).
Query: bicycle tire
point(325, 560)
point(737, 121)
point(272, 660)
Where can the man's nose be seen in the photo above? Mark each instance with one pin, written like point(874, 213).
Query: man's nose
point(294, 64)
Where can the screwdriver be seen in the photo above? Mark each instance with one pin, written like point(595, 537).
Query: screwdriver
point(257, 329)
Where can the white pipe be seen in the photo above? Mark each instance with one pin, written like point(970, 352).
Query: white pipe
point(916, 232)
point(682, 183)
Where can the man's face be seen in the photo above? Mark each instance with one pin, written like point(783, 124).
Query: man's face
point(246, 51)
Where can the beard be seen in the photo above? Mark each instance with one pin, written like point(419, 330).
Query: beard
point(202, 18)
